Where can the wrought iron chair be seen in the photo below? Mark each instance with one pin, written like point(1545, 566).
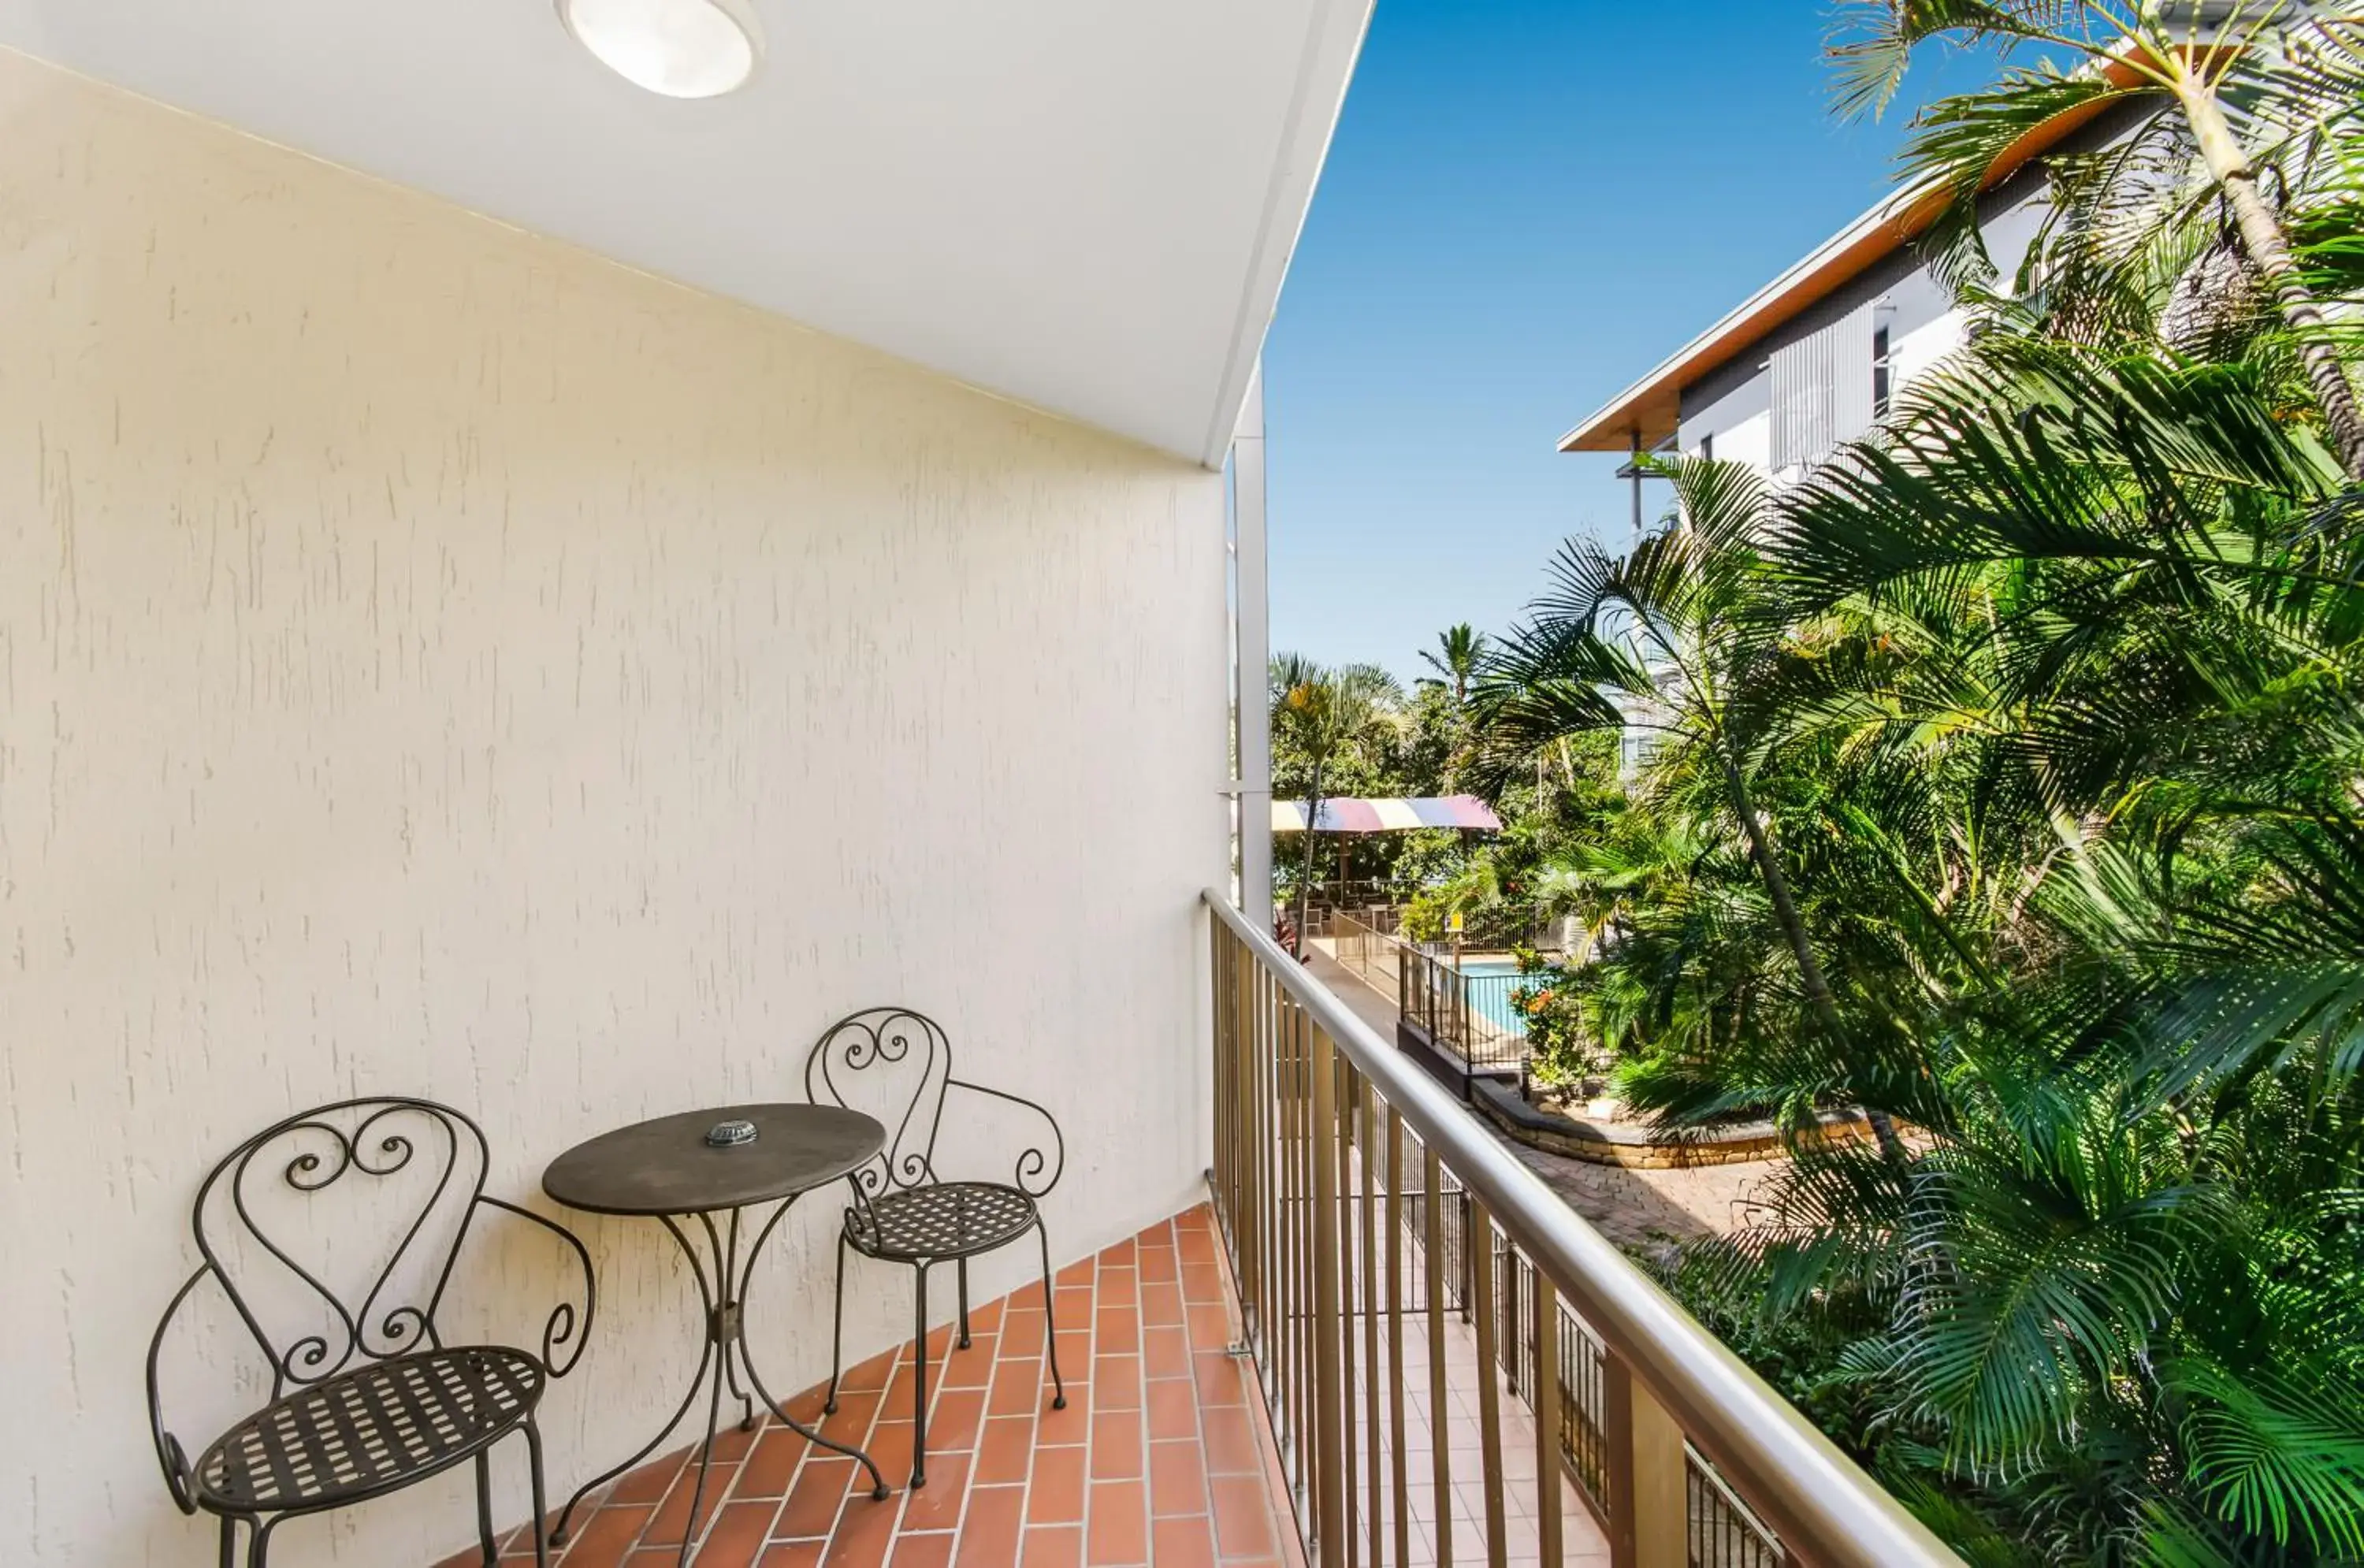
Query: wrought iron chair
point(365, 1399)
point(904, 1210)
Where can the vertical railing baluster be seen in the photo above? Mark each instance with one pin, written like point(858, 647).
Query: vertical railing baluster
point(1219, 1002)
point(1218, 977)
point(1330, 1480)
point(1431, 1202)
point(1452, 1016)
point(1285, 1215)
point(1515, 1329)
point(1395, 1334)
point(1250, 1149)
point(1276, 1338)
point(1467, 1206)
point(1238, 960)
point(1478, 1243)
point(1302, 1218)
point(1301, 1087)
point(1217, 972)
point(1649, 1488)
point(1706, 1543)
point(1542, 1397)
point(1283, 1263)
point(1371, 1316)
point(1342, 1205)
point(1291, 1304)
point(1268, 1222)
point(1246, 1149)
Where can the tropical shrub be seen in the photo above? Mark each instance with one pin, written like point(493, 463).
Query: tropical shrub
point(2007, 781)
point(1565, 1050)
point(2010, 792)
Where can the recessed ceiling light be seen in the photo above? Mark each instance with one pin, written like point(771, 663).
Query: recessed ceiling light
point(682, 48)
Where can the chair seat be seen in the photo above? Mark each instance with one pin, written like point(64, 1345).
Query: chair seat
point(370, 1429)
point(948, 1220)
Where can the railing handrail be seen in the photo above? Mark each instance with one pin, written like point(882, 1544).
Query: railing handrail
point(1826, 1510)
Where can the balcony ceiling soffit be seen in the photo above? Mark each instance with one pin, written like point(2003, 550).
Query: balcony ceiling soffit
point(1081, 204)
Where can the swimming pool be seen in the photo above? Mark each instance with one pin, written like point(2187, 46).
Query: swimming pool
point(1490, 982)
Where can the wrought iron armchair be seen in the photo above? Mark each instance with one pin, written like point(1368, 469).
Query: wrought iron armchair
point(904, 1211)
point(365, 1397)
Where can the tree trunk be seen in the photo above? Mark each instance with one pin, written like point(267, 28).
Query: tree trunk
point(2269, 252)
point(1794, 927)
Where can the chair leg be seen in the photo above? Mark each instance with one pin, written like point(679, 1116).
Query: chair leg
point(541, 1524)
point(837, 1332)
point(963, 1303)
point(1050, 1322)
point(919, 1398)
point(485, 1508)
point(258, 1549)
point(228, 1543)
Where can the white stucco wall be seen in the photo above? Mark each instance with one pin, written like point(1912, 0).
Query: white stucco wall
point(1749, 441)
point(1918, 352)
point(439, 662)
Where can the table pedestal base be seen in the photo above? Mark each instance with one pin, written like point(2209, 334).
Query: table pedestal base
point(724, 1292)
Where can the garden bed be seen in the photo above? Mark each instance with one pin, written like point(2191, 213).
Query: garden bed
point(1632, 1144)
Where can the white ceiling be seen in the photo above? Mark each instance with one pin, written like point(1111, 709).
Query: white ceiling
point(1086, 205)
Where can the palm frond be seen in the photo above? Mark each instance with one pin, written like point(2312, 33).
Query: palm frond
point(2032, 451)
point(1872, 41)
point(1958, 143)
point(2277, 1456)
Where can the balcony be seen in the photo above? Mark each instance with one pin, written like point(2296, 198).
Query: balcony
point(541, 595)
point(465, 661)
point(1383, 1341)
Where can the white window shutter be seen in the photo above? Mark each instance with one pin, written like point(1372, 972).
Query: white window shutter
point(1821, 390)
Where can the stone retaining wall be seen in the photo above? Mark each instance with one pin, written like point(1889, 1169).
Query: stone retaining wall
point(1638, 1148)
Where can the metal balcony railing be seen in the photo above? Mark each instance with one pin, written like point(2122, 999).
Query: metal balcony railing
point(1472, 1017)
point(1372, 903)
point(1390, 1255)
point(1367, 950)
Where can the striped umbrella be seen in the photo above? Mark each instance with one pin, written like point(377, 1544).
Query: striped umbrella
point(1348, 815)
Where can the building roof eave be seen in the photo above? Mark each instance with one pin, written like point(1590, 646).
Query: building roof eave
point(1650, 410)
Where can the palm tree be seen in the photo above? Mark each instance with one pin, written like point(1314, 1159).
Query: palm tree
point(2134, 51)
point(1321, 715)
point(1662, 641)
point(1459, 655)
point(2113, 1309)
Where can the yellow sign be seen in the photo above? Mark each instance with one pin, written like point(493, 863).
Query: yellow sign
point(1454, 925)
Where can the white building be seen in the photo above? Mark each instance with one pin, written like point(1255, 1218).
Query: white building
point(1811, 358)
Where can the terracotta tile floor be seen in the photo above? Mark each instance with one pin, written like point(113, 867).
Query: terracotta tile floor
point(1159, 1457)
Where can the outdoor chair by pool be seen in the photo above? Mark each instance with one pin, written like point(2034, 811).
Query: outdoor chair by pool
point(332, 1235)
point(896, 1065)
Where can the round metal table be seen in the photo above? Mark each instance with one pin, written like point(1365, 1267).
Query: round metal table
point(667, 1170)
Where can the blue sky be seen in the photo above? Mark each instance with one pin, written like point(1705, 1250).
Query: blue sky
point(1528, 203)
